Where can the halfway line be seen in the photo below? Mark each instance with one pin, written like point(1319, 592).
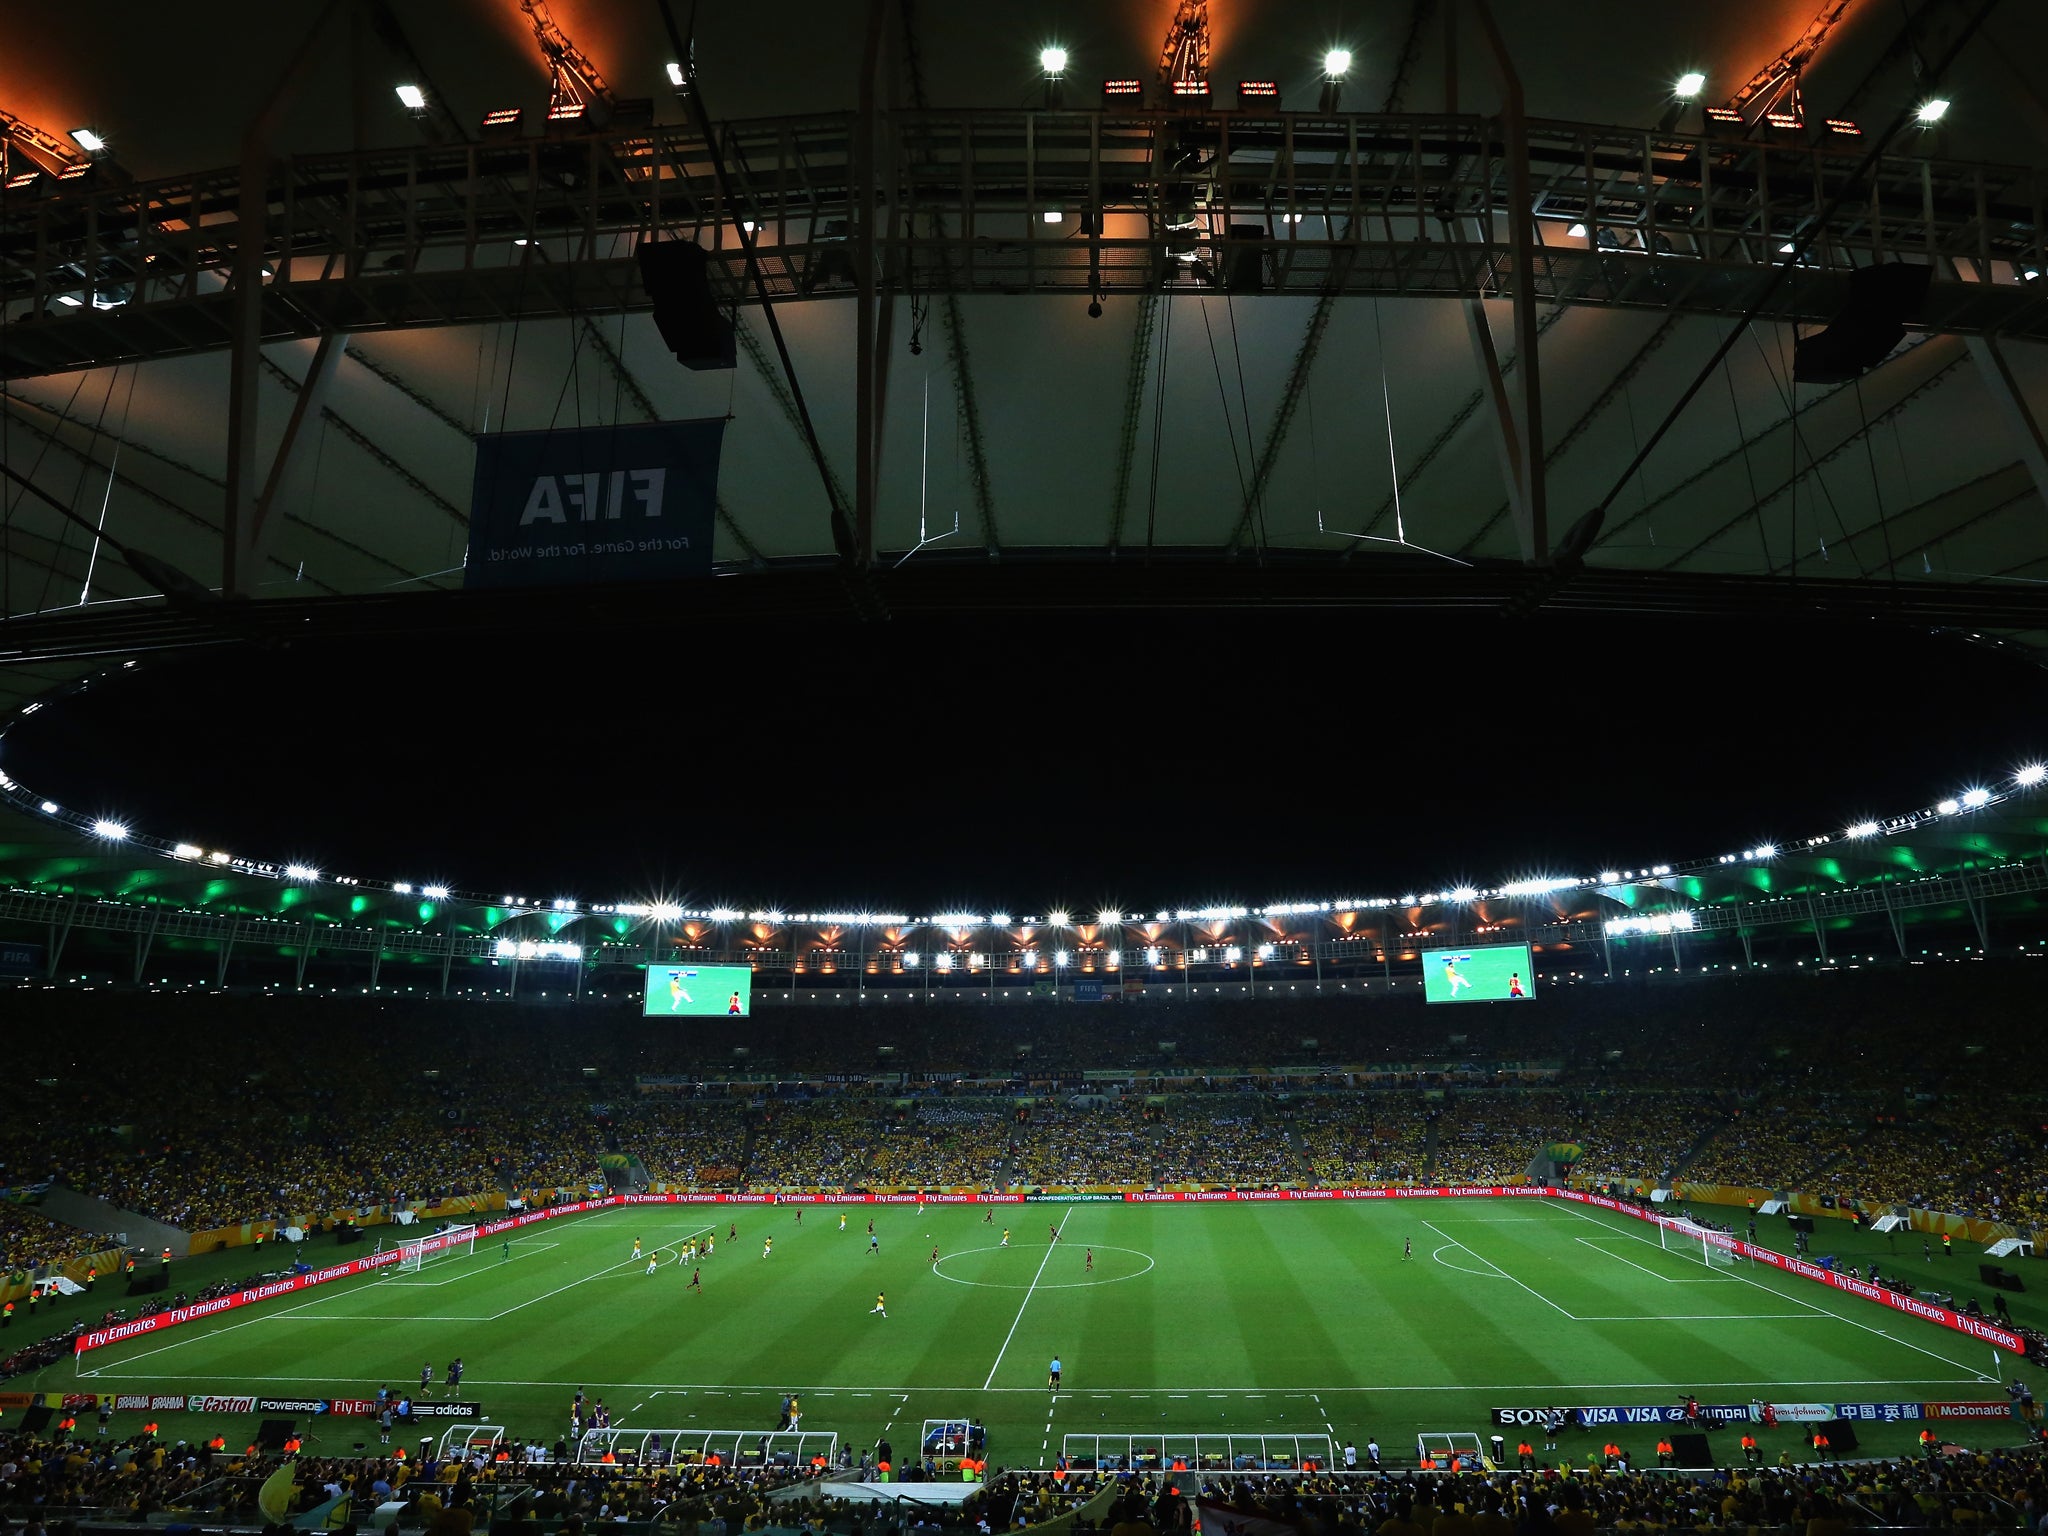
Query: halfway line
point(1025, 1302)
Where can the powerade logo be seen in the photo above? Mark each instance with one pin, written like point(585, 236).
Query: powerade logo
point(313, 1405)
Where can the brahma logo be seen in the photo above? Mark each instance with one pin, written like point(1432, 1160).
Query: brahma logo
point(171, 1402)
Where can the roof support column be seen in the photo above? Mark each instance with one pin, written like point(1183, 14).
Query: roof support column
point(2010, 402)
point(241, 527)
point(1528, 497)
point(874, 319)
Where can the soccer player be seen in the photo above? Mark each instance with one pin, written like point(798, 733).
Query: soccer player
point(508, 1251)
point(636, 1247)
point(1052, 1375)
point(426, 1378)
point(1006, 1237)
point(767, 1246)
point(1052, 1233)
point(1089, 1267)
point(696, 1281)
point(732, 1004)
point(871, 1226)
point(1515, 984)
point(710, 1244)
point(732, 1234)
point(988, 1217)
point(799, 1215)
point(935, 1253)
point(676, 995)
point(881, 1304)
point(874, 1244)
point(454, 1373)
point(842, 1221)
point(1453, 976)
point(653, 1263)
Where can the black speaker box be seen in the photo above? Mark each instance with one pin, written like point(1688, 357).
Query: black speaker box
point(676, 275)
point(1799, 1223)
point(1692, 1451)
point(347, 1232)
point(274, 1433)
point(141, 1283)
point(34, 1420)
point(1244, 269)
point(1841, 1435)
point(1881, 300)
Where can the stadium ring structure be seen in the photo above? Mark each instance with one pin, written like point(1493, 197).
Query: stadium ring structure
point(1937, 870)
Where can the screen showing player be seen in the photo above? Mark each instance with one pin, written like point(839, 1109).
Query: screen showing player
point(697, 991)
point(1485, 973)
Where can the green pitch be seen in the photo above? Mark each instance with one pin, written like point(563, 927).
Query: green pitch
point(1483, 973)
point(1351, 1318)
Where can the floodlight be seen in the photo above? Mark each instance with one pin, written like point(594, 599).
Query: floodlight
point(1052, 216)
point(113, 831)
point(1465, 893)
point(1052, 60)
point(412, 97)
point(2033, 773)
point(1948, 807)
point(1060, 958)
point(1933, 110)
point(910, 959)
point(999, 919)
point(1060, 920)
point(1336, 63)
point(1976, 797)
point(1864, 829)
point(1108, 919)
point(1609, 876)
point(1577, 231)
point(218, 857)
point(70, 301)
point(88, 141)
point(186, 851)
point(1690, 84)
point(675, 74)
point(1766, 851)
point(434, 892)
point(402, 888)
point(664, 911)
point(300, 872)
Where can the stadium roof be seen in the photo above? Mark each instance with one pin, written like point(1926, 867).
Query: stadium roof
point(1319, 427)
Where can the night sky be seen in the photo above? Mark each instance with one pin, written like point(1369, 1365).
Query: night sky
point(1028, 764)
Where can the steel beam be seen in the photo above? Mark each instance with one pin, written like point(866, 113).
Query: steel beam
point(2010, 404)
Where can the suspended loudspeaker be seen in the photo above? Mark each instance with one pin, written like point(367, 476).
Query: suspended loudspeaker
point(676, 277)
point(1881, 300)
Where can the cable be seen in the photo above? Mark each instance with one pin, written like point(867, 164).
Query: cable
point(1756, 504)
point(1158, 423)
point(1245, 408)
point(1223, 399)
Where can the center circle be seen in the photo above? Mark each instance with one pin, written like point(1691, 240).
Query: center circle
point(1097, 1278)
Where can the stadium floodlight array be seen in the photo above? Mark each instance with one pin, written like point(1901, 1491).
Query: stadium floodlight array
point(1245, 1451)
point(1714, 1249)
point(1532, 887)
point(456, 1242)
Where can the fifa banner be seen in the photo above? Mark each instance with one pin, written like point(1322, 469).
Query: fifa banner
point(1591, 1417)
point(171, 1317)
point(594, 504)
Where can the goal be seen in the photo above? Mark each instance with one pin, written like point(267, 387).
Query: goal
point(1714, 1249)
point(456, 1241)
point(1451, 1450)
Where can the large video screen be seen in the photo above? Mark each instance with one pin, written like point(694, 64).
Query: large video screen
point(1485, 973)
point(695, 991)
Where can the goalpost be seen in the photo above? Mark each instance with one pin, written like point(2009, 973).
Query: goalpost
point(1714, 1249)
point(456, 1241)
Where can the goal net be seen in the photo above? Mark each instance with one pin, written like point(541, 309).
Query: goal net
point(1714, 1249)
point(454, 1242)
point(1451, 1451)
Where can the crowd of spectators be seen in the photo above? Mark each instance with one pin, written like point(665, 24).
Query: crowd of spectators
point(1073, 1144)
point(1961, 1490)
point(1741, 1081)
point(29, 1239)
